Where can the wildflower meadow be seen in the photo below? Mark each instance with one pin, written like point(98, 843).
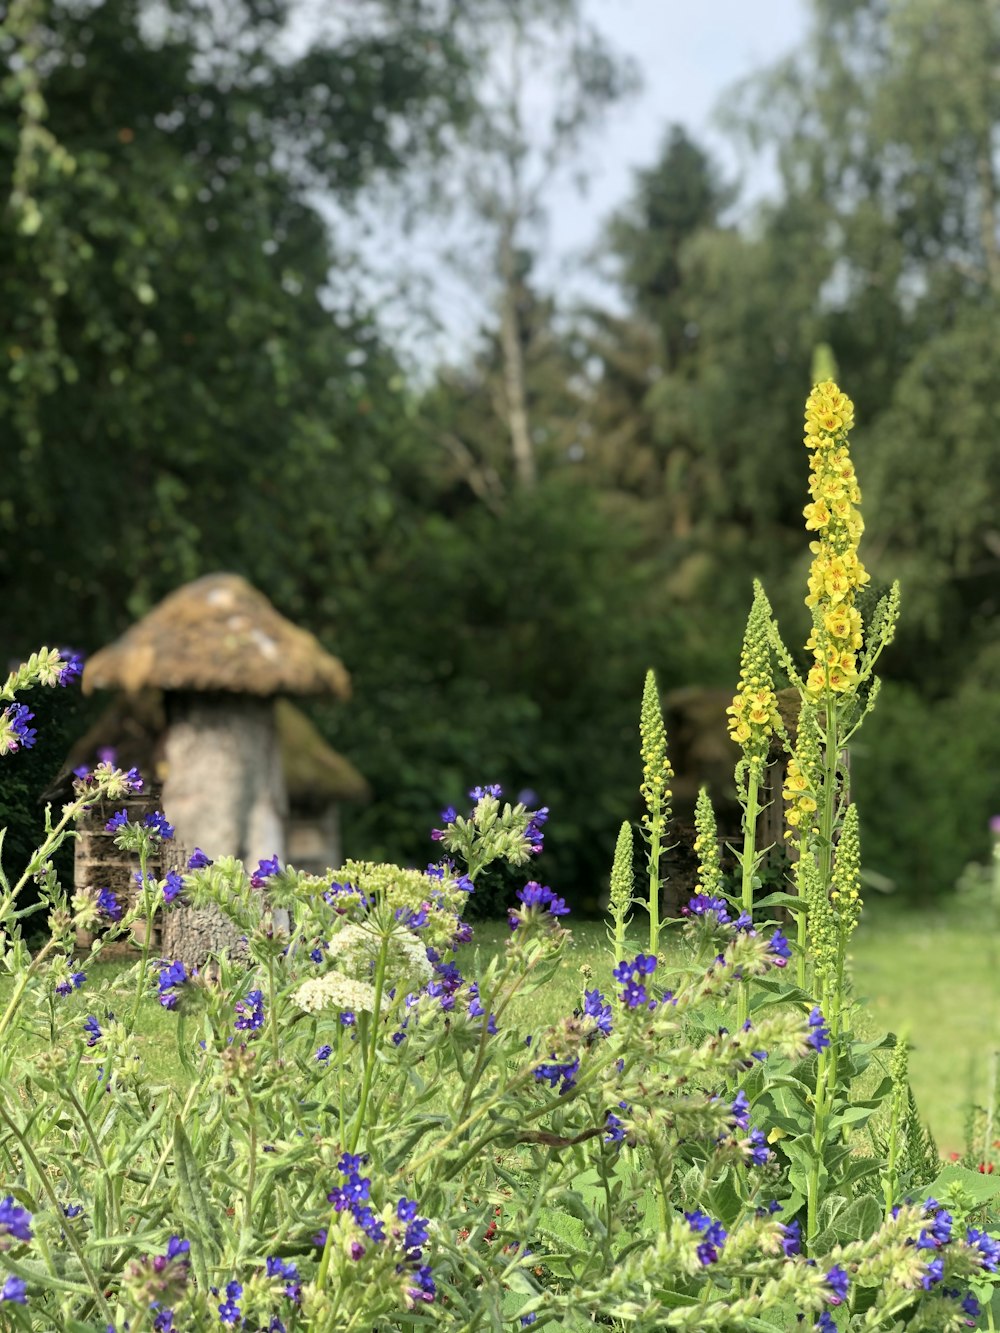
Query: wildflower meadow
point(365, 1135)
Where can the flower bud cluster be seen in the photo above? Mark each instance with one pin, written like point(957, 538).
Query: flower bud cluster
point(706, 846)
point(753, 714)
point(657, 774)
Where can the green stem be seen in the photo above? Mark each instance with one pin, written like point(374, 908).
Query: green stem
point(747, 865)
point(147, 918)
point(273, 1006)
point(70, 1094)
point(654, 880)
point(251, 1169)
point(22, 984)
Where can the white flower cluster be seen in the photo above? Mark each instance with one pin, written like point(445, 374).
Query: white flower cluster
point(335, 991)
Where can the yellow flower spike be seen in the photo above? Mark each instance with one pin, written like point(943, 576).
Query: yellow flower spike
point(845, 893)
point(836, 573)
point(753, 714)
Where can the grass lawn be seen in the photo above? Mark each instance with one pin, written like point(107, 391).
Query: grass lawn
point(933, 975)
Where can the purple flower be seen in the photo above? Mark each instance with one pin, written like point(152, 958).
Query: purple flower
point(988, 1247)
point(744, 922)
point(198, 860)
point(323, 1054)
point(13, 1291)
point(537, 895)
point(229, 1311)
point(702, 905)
point(108, 905)
point(92, 1027)
point(934, 1273)
point(838, 1282)
point(615, 1129)
point(73, 982)
point(250, 1012)
point(72, 666)
point(819, 1035)
point(347, 1019)
point(72, 1210)
point(713, 1233)
point(494, 790)
point(116, 822)
point(15, 1222)
point(172, 977)
point(15, 734)
point(791, 1239)
point(825, 1324)
point(265, 869)
point(157, 821)
point(554, 1071)
point(425, 1290)
point(759, 1151)
point(173, 886)
point(740, 1111)
point(595, 1007)
point(449, 815)
point(780, 949)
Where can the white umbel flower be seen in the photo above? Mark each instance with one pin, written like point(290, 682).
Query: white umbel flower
point(335, 991)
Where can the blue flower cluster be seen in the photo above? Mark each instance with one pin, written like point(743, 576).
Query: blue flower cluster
point(411, 1234)
point(15, 1223)
point(634, 994)
point(198, 860)
point(70, 984)
point(703, 905)
point(535, 895)
point(15, 734)
point(172, 977)
point(819, 1033)
point(596, 1007)
point(554, 1070)
point(108, 905)
point(93, 1029)
point(264, 871)
point(713, 1236)
point(250, 1012)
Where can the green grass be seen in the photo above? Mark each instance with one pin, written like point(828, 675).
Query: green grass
point(934, 975)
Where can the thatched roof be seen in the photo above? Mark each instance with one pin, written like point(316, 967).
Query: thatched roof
point(313, 771)
point(133, 726)
point(217, 633)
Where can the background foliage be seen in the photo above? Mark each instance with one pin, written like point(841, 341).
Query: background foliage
point(498, 551)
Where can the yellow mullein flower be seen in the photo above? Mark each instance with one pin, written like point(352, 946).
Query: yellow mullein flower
point(753, 714)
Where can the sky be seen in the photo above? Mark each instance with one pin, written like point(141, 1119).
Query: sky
point(689, 53)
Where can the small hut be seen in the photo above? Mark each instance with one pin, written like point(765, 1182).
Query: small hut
point(218, 652)
point(239, 771)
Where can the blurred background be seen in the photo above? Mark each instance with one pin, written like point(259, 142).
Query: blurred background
point(475, 334)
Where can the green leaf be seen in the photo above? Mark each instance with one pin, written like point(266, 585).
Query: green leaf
point(194, 1203)
point(977, 1185)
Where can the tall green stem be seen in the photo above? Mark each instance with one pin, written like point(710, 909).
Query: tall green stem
point(654, 882)
point(147, 918)
point(22, 984)
point(748, 863)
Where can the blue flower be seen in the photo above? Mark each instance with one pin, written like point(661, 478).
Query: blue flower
point(740, 1110)
point(744, 922)
point(73, 982)
point(494, 790)
point(819, 1035)
point(537, 895)
point(934, 1273)
point(72, 1210)
point(449, 815)
point(72, 666)
point(615, 1129)
point(714, 1234)
point(703, 905)
point(347, 1019)
point(173, 886)
point(825, 1324)
point(791, 1238)
point(15, 734)
point(198, 860)
point(116, 822)
point(553, 1071)
point(94, 1029)
point(14, 1291)
point(109, 906)
point(264, 871)
point(315, 955)
point(595, 1007)
point(323, 1054)
point(988, 1247)
point(527, 1319)
point(157, 821)
point(759, 1151)
point(250, 1012)
point(172, 977)
point(425, 1290)
point(838, 1282)
point(229, 1311)
point(14, 1221)
point(779, 948)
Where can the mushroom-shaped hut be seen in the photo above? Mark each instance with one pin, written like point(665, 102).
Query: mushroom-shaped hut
point(219, 653)
point(237, 771)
